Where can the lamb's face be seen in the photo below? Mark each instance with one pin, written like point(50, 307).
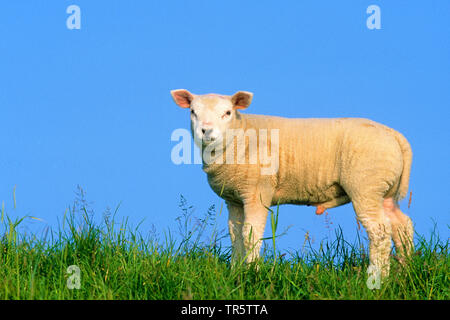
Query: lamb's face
point(211, 114)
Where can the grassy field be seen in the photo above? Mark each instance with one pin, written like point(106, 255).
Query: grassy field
point(116, 262)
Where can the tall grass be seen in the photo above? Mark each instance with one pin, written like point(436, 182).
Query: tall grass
point(116, 261)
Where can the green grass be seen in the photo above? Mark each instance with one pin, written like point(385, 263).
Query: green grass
point(117, 262)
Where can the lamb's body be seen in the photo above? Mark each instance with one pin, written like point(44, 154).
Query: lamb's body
point(321, 162)
point(319, 159)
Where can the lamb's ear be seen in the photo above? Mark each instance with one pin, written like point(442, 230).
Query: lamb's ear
point(241, 99)
point(182, 97)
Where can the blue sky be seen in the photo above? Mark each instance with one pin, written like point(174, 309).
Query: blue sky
point(91, 107)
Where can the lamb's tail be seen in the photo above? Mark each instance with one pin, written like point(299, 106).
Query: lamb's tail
point(407, 161)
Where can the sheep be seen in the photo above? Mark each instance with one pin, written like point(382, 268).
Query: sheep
point(320, 162)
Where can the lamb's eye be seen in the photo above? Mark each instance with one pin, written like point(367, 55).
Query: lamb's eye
point(226, 114)
point(192, 112)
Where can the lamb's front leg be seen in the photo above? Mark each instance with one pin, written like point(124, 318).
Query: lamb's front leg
point(253, 229)
point(235, 224)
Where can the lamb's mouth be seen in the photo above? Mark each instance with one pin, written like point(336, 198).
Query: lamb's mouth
point(208, 139)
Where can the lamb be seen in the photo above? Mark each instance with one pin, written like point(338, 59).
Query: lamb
point(319, 162)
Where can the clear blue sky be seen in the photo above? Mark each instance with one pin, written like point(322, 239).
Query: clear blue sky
point(91, 107)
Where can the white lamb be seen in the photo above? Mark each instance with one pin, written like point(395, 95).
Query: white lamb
point(321, 162)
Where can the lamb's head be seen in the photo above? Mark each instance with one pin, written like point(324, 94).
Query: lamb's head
point(211, 114)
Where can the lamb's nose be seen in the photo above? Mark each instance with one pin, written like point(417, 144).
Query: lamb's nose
point(207, 134)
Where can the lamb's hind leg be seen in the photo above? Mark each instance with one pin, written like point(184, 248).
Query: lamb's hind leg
point(370, 213)
point(402, 229)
